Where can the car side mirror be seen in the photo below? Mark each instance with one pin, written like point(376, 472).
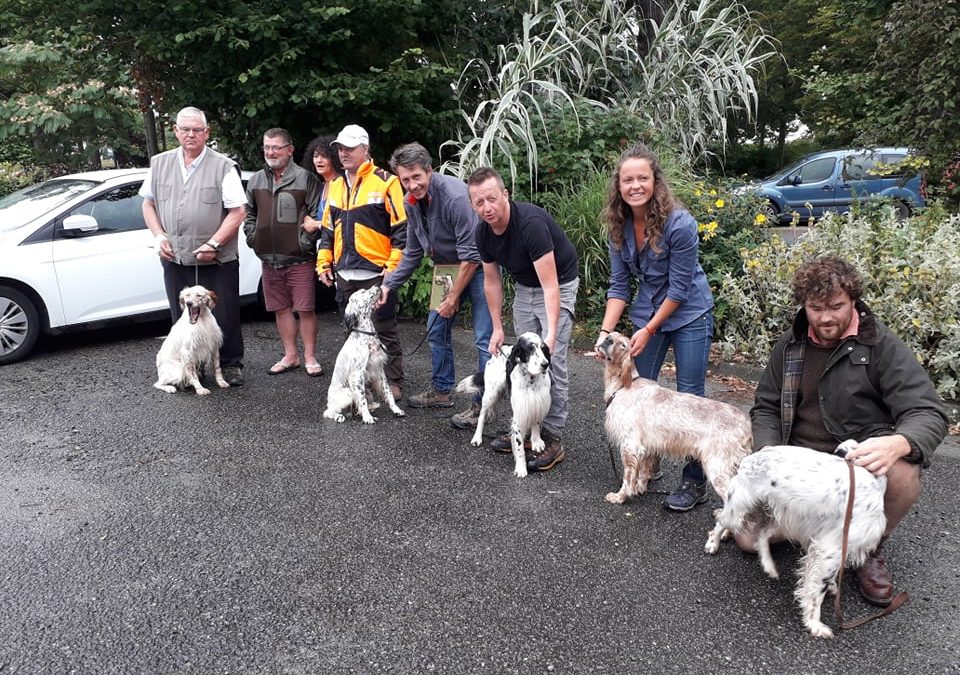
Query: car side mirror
point(80, 223)
point(797, 180)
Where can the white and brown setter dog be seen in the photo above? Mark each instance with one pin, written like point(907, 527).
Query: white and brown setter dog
point(799, 494)
point(524, 370)
point(193, 344)
point(359, 363)
point(646, 421)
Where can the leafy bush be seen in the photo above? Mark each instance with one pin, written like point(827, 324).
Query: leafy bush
point(728, 222)
point(413, 297)
point(911, 281)
point(14, 176)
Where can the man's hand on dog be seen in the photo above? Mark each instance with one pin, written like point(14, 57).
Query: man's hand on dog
point(879, 453)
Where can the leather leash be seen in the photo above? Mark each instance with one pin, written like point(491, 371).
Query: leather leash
point(897, 601)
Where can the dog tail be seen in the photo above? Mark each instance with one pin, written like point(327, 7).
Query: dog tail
point(472, 384)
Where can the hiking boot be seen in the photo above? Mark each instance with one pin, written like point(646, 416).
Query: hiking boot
point(468, 418)
point(431, 399)
point(875, 581)
point(688, 495)
point(552, 454)
point(502, 443)
point(233, 375)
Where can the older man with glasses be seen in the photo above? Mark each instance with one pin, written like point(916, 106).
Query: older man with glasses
point(278, 199)
point(193, 203)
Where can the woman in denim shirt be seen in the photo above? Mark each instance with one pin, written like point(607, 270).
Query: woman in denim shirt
point(653, 241)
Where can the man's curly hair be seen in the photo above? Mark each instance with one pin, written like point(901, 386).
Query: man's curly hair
point(821, 279)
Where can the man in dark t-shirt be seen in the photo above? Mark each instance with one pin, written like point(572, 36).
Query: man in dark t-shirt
point(528, 243)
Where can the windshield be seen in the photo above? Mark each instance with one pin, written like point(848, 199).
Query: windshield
point(32, 202)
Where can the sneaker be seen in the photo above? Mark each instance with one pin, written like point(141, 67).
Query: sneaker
point(552, 454)
point(502, 443)
point(468, 418)
point(233, 375)
point(431, 399)
point(688, 495)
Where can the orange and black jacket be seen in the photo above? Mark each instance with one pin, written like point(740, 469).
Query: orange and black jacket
point(364, 225)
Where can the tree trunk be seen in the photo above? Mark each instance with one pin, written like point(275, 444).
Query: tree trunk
point(150, 132)
point(647, 11)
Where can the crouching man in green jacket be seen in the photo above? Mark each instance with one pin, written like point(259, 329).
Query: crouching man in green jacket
point(840, 374)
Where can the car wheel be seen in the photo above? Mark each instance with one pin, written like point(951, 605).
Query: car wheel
point(19, 325)
point(771, 212)
point(901, 210)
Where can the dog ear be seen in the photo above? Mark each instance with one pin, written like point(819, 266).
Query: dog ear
point(626, 365)
point(181, 300)
point(546, 352)
point(211, 299)
point(514, 359)
point(350, 320)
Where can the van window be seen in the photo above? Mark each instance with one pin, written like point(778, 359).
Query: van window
point(893, 162)
point(814, 172)
point(859, 167)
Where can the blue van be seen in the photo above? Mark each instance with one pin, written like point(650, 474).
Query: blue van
point(832, 180)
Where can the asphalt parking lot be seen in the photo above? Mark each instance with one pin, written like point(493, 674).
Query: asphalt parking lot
point(142, 532)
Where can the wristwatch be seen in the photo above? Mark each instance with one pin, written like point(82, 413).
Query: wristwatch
point(214, 244)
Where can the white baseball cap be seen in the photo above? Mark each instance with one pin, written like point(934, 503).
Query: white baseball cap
point(351, 136)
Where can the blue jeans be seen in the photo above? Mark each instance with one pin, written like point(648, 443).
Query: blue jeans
point(440, 336)
point(691, 352)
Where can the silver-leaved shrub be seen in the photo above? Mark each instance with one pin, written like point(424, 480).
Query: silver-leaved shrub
point(911, 273)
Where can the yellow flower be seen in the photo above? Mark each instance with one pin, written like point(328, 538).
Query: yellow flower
point(760, 219)
point(697, 193)
point(713, 193)
point(906, 272)
point(719, 203)
point(916, 322)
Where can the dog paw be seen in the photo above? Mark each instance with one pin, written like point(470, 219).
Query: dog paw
point(520, 471)
point(339, 418)
point(369, 419)
point(202, 391)
point(711, 547)
point(223, 384)
point(167, 388)
point(397, 412)
point(819, 629)
point(614, 498)
point(476, 441)
point(538, 446)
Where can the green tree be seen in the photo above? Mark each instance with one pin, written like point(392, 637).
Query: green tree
point(917, 101)
point(308, 65)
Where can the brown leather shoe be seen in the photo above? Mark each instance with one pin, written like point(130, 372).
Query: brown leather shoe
point(552, 454)
point(502, 443)
point(875, 581)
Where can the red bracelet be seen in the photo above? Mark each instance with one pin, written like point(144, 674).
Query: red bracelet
point(649, 332)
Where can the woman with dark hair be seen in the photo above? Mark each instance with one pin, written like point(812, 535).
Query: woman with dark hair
point(653, 242)
point(321, 159)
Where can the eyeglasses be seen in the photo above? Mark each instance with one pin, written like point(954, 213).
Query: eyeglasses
point(196, 131)
point(275, 148)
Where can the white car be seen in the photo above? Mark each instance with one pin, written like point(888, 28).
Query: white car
point(75, 253)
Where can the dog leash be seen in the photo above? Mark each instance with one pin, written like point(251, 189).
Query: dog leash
point(897, 601)
point(430, 322)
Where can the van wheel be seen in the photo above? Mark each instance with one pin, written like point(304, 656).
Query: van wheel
point(772, 213)
point(901, 209)
point(19, 325)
